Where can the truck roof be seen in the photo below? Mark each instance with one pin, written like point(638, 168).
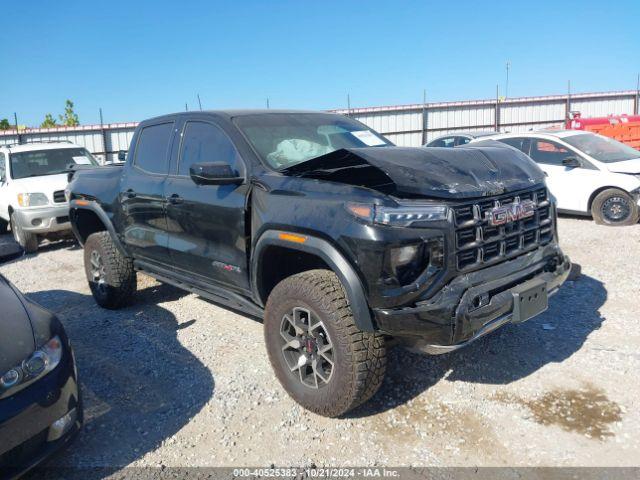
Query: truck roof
point(230, 113)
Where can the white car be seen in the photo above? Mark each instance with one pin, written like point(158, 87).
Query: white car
point(588, 174)
point(33, 177)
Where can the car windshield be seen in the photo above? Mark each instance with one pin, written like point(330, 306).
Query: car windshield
point(601, 148)
point(35, 163)
point(286, 139)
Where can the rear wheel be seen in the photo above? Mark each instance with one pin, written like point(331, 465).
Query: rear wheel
point(28, 241)
point(614, 207)
point(110, 274)
point(321, 358)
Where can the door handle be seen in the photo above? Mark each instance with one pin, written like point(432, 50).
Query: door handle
point(174, 199)
point(130, 193)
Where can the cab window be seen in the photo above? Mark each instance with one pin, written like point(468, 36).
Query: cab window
point(152, 148)
point(204, 142)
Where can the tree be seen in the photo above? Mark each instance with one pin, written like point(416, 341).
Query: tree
point(49, 121)
point(70, 118)
point(4, 124)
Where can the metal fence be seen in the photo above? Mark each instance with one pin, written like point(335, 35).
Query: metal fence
point(414, 125)
point(104, 141)
point(405, 125)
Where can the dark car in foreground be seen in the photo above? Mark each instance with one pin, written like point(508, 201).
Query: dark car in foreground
point(40, 407)
point(337, 238)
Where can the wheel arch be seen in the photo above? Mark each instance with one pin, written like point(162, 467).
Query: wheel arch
point(87, 218)
point(599, 190)
point(313, 252)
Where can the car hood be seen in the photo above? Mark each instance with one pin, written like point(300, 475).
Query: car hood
point(45, 184)
point(462, 172)
point(626, 166)
point(16, 334)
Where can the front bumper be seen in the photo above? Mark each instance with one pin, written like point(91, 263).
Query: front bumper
point(472, 305)
point(44, 219)
point(41, 419)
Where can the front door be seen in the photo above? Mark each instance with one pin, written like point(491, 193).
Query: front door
point(206, 223)
point(571, 186)
point(142, 216)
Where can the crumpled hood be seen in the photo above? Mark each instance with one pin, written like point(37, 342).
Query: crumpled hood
point(626, 166)
point(16, 334)
point(477, 170)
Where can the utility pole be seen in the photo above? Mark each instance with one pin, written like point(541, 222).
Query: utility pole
point(268, 103)
point(506, 83)
point(186, 108)
point(636, 109)
point(199, 102)
point(103, 131)
point(348, 105)
point(424, 117)
point(497, 114)
point(568, 106)
point(18, 136)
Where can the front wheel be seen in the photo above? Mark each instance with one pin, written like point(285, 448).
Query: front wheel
point(614, 207)
point(321, 358)
point(111, 276)
point(28, 241)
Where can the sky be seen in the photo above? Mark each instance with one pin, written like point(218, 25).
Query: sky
point(137, 59)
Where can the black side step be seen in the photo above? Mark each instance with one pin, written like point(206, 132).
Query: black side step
point(210, 292)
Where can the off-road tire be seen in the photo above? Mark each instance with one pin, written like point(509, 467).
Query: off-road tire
point(359, 357)
point(4, 225)
point(117, 283)
point(614, 195)
point(28, 241)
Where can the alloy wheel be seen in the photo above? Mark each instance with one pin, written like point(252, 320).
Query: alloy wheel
point(98, 273)
point(307, 348)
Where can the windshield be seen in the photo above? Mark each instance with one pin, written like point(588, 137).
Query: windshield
point(286, 139)
point(35, 163)
point(601, 148)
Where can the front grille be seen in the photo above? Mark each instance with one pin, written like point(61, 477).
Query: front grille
point(58, 197)
point(478, 243)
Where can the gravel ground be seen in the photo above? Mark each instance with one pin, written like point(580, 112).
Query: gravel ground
point(178, 381)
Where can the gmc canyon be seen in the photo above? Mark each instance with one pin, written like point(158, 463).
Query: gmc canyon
point(336, 238)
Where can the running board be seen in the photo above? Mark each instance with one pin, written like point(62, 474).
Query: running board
point(210, 292)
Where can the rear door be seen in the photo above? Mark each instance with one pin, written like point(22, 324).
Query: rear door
point(206, 223)
point(142, 201)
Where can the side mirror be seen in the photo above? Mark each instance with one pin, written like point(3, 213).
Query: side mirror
point(214, 173)
point(122, 156)
point(571, 162)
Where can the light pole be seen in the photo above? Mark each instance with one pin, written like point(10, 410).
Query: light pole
point(506, 84)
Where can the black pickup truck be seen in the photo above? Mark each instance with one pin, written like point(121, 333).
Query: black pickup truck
point(337, 238)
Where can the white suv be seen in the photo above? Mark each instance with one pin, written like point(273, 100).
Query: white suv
point(588, 174)
point(33, 177)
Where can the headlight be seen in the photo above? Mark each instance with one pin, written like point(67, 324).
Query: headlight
point(39, 363)
point(403, 216)
point(32, 199)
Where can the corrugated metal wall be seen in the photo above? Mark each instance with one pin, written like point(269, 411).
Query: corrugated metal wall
point(104, 141)
point(402, 124)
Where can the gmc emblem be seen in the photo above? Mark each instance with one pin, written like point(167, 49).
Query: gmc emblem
point(510, 213)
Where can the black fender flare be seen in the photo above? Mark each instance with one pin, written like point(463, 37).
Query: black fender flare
point(332, 257)
point(94, 207)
